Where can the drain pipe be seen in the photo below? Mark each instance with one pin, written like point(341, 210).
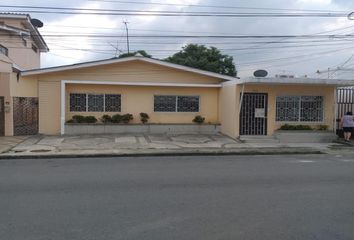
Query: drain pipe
point(241, 100)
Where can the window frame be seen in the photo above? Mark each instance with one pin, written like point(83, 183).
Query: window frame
point(176, 103)
point(300, 109)
point(4, 50)
point(104, 102)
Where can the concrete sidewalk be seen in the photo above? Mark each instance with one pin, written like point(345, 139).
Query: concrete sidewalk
point(7, 143)
point(142, 144)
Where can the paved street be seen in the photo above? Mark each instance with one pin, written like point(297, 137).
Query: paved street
point(216, 197)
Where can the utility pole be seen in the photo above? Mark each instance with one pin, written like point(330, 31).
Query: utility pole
point(126, 29)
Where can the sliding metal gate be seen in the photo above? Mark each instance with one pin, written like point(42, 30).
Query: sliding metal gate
point(2, 116)
point(25, 116)
point(345, 103)
point(253, 115)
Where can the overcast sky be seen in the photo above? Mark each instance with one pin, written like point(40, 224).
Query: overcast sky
point(284, 56)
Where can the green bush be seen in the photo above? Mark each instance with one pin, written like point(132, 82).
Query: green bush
point(295, 127)
point(106, 118)
point(144, 117)
point(116, 118)
point(90, 119)
point(70, 121)
point(322, 127)
point(126, 118)
point(199, 119)
point(78, 119)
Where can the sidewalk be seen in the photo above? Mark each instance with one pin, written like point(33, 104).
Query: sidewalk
point(141, 144)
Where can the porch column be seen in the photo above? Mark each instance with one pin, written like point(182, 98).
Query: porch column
point(62, 107)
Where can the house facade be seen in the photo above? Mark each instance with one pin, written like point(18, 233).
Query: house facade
point(174, 94)
point(20, 48)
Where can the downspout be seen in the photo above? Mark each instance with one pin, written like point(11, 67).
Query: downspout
point(241, 100)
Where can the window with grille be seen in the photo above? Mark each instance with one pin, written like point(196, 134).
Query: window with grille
point(299, 109)
point(77, 102)
point(188, 104)
point(83, 102)
point(176, 103)
point(112, 103)
point(95, 103)
point(4, 50)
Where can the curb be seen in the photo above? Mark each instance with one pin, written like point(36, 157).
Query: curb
point(266, 151)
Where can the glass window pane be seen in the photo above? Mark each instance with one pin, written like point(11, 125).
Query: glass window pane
point(287, 108)
point(311, 109)
point(113, 102)
point(95, 102)
point(77, 102)
point(188, 104)
point(164, 103)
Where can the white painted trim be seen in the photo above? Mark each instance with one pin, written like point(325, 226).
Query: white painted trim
point(119, 60)
point(296, 81)
point(147, 84)
point(62, 107)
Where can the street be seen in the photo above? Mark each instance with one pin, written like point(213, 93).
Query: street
point(197, 197)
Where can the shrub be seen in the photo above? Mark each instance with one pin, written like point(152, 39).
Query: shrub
point(78, 119)
point(116, 118)
point(106, 118)
point(126, 118)
point(199, 119)
point(144, 117)
point(70, 121)
point(90, 119)
point(295, 127)
point(323, 127)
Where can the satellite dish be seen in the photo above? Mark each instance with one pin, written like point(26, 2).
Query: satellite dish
point(260, 73)
point(36, 22)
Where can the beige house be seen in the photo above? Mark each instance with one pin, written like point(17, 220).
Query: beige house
point(20, 48)
point(173, 95)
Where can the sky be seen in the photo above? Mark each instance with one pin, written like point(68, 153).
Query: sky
point(312, 56)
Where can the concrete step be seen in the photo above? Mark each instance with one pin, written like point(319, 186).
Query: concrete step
point(258, 139)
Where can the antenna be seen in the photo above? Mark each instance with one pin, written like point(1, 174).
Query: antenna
point(126, 28)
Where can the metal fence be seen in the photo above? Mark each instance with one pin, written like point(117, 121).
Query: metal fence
point(345, 103)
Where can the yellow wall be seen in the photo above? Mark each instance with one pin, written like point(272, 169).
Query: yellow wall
point(228, 110)
point(134, 99)
point(282, 90)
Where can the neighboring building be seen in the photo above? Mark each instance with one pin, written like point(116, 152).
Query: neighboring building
point(20, 48)
point(175, 94)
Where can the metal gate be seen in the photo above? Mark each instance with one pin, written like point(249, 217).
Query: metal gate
point(25, 116)
point(253, 115)
point(345, 103)
point(2, 116)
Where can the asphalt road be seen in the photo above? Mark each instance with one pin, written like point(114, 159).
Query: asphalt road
point(216, 197)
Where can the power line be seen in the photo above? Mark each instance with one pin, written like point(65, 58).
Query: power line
point(217, 6)
point(126, 12)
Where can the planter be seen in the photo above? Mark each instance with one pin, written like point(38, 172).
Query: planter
point(304, 136)
point(97, 128)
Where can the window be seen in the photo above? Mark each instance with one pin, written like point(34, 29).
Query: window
point(176, 103)
point(164, 103)
point(77, 102)
point(83, 102)
point(112, 103)
point(34, 48)
point(95, 103)
point(299, 109)
point(4, 50)
point(24, 42)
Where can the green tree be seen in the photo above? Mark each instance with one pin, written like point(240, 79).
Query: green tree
point(201, 57)
point(132, 54)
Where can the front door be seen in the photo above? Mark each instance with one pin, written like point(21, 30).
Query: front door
point(2, 116)
point(253, 115)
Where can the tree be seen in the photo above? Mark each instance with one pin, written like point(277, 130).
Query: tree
point(132, 54)
point(201, 57)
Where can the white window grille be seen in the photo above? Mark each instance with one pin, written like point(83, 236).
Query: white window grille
point(299, 108)
point(176, 103)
